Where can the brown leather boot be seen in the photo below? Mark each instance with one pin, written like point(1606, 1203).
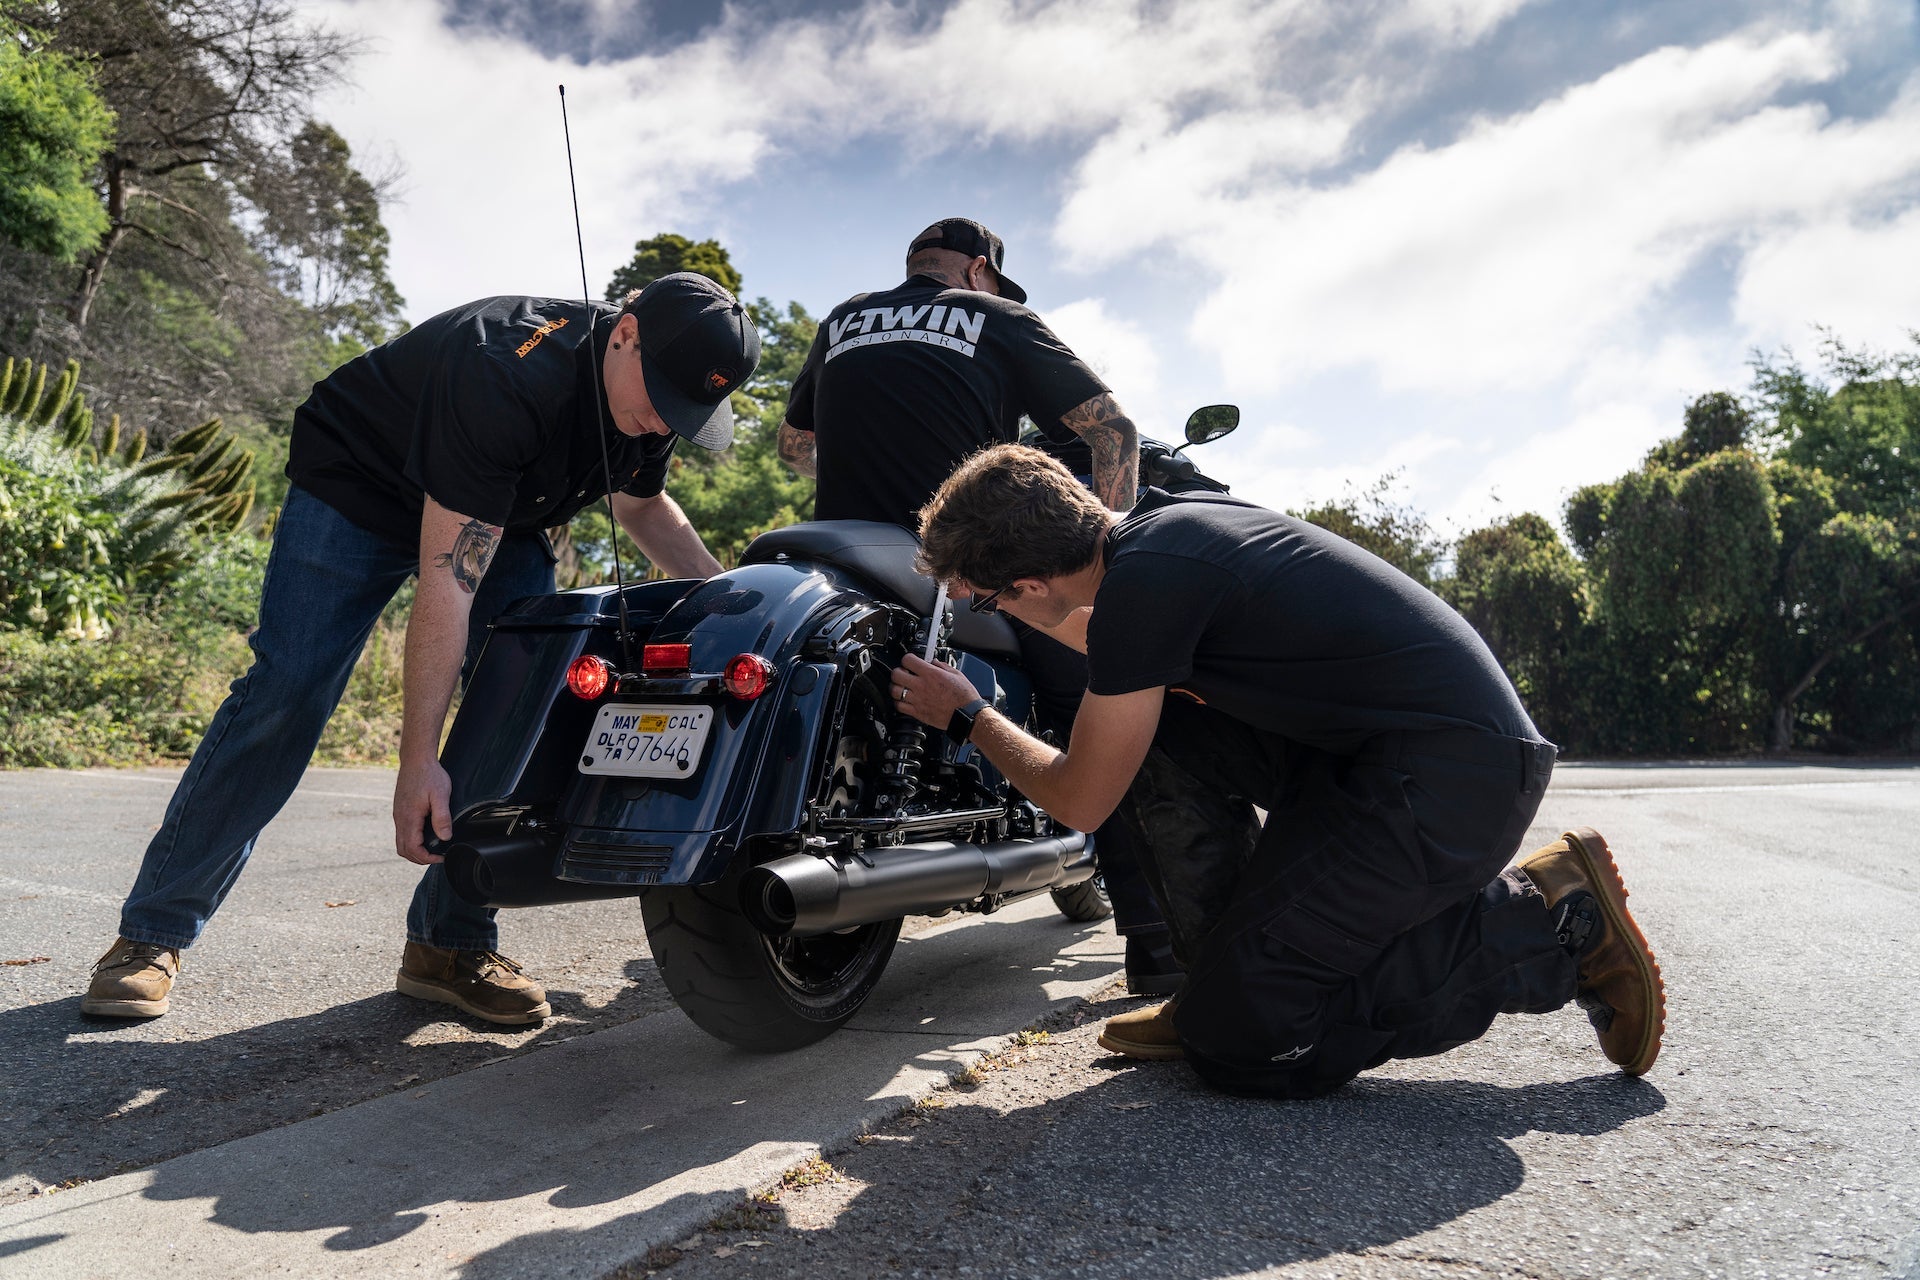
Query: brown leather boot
point(1146, 1034)
point(1619, 982)
point(132, 981)
point(483, 983)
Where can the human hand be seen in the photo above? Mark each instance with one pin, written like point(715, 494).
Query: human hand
point(424, 793)
point(930, 692)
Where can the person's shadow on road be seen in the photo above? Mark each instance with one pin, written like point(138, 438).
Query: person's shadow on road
point(83, 1102)
point(1134, 1177)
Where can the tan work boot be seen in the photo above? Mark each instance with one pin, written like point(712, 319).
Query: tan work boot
point(483, 983)
point(1619, 982)
point(132, 981)
point(1146, 1034)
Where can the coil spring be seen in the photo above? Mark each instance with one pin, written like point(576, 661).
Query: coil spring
point(906, 747)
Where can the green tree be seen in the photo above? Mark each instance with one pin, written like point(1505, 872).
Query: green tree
point(53, 128)
point(1524, 592)
point(204, 90)
point(1859, 424)
point(664, 254)
point(323, 236)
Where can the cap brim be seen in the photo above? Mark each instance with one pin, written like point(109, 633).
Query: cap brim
point(708, 425)
point(1008, 289)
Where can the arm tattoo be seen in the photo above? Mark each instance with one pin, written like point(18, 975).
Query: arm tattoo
point(1115, 444)
point(472, 552)
point(797, 449)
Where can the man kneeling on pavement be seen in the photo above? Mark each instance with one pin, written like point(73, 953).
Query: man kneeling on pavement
point(1239, 658)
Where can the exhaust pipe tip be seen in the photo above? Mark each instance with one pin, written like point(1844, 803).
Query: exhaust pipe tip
point(768, 901)
point(469, 875)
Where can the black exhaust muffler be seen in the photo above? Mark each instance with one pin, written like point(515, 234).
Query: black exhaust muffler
point(517, 871)
point(805, 894)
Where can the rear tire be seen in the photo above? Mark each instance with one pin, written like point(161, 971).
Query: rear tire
point(1086, 901)
point(761, 993)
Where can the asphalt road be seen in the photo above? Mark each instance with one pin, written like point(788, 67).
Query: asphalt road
point(1777, 1136)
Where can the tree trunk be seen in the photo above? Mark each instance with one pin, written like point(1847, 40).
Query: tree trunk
point(96, 269)
point(1780, 737)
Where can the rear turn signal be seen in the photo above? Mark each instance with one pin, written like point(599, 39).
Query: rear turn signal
point(747, 676)
point(587, 676)
point(666, 657)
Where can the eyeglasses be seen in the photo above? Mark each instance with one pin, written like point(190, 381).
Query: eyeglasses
point(985, 604)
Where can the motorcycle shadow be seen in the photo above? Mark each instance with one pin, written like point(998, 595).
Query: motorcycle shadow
point(652, 1116)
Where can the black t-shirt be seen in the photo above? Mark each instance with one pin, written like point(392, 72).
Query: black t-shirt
point(489, 407)
point(901, 386)
point(1287, 627)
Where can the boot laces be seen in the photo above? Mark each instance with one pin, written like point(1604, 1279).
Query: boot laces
point(132, 957)
point(486, 962)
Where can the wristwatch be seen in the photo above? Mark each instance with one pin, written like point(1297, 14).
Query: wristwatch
point(960, 728)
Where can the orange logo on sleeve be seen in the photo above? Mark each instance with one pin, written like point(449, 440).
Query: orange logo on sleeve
point(539, 336)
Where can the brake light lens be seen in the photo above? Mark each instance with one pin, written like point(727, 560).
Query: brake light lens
point(747, 676)
point(666, 657)
point(587, 676)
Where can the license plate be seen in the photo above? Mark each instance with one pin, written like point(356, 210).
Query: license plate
point(635, 741)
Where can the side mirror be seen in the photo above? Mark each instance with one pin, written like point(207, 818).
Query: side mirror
point(1210, 422)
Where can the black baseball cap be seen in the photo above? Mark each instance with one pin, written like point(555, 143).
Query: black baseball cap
point(697, 345)
point(964, 235)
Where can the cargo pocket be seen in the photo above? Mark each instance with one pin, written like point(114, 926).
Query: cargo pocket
point(1323, 941)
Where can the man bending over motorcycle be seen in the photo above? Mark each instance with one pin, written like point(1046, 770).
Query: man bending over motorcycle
point(444, 453)
point(899, 387)
point(1240, 658)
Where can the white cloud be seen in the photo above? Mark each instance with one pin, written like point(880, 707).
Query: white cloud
point(660, 137)
point(1118, 350)
point(1861, 280)
point(1501, 259)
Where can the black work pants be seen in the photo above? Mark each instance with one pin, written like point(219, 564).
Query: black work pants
point(1370, 919)
point(1059, 676)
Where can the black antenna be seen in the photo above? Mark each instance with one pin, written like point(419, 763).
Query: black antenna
point(599, 403)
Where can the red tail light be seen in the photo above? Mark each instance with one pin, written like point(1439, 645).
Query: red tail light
point(666, 657)
point(747, 676)
point(587, 676)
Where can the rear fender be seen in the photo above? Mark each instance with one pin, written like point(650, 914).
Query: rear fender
point(761, 755)
point(512, 745)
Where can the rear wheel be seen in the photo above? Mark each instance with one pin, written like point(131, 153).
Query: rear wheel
point(762, 993)
point(1084, 901)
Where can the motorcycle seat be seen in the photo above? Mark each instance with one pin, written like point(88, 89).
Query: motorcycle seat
point(882, 554)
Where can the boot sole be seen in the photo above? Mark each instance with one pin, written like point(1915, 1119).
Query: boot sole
point(421, 990)
point(1144, 1052)
point(125, 1008)
point(1596, 859)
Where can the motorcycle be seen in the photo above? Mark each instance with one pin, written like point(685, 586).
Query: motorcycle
point(726, 750)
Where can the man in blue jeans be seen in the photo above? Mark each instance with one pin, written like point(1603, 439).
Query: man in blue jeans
point(444, 453)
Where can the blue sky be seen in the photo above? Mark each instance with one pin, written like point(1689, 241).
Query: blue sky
point(1492, 245)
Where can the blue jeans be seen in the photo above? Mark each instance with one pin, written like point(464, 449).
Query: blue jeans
point(327, 581)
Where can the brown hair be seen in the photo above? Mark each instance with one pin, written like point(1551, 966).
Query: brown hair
point(1010, 512)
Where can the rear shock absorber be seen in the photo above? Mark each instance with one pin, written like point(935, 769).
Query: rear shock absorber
point(907, 740)
point(906, 748)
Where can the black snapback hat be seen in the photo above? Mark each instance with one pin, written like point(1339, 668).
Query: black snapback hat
point(964, 235)
point(697, 345)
